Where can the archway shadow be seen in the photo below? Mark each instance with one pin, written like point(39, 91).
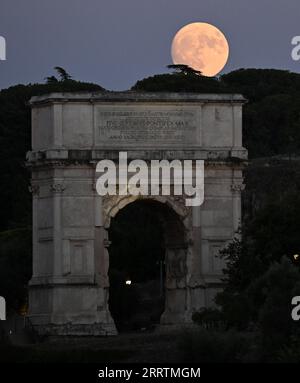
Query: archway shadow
point(141, 234)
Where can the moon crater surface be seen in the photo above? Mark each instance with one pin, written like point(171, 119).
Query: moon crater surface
point(201, 46)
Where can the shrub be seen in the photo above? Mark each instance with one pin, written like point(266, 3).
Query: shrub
point(204, 346)
point(209, 318)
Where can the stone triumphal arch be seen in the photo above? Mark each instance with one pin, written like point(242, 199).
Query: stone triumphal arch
point(71, 132)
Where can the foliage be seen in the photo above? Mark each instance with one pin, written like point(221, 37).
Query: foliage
point(271, 296)
point(271, 116)
point(204, 346)
point(261, 275)
point(63, 74)
point(261, 300)
point(179, 82)
point(256, 84)
point(208, 318)
point(267, 236)
point(184, 69)
point(290, 353)
point(15, 265)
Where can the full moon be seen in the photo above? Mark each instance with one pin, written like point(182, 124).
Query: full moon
point(201, 46)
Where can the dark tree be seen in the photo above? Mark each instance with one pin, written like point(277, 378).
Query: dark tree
point(51, 80)
point(184, 69)
point(63, 74)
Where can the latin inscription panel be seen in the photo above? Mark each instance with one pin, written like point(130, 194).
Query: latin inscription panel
point(147, 125)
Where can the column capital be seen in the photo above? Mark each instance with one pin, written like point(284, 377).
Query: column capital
point(106, 242)
point(237, 187)
point(57, 187)
point(34, 189)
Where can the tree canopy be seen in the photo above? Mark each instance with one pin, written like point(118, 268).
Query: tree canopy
point(271, 118)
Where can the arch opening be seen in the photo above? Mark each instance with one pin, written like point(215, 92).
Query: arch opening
point(146, 256)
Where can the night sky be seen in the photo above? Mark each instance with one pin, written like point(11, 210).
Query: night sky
point(116, 42)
